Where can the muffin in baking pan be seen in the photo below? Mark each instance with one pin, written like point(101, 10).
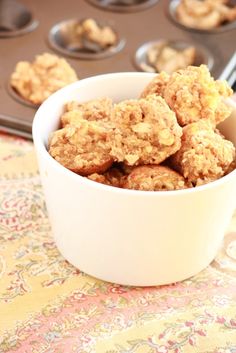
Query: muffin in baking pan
point(37, 80)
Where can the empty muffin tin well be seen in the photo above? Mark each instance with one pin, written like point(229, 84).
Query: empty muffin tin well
point(63, 39)
point(203, 56)
point(15, 19)
point(171, 12)
point(123, 5)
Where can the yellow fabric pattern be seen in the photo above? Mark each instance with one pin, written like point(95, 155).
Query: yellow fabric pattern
point(47, 305)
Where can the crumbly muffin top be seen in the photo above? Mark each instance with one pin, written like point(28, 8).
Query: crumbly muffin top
point(193, 95)
point(204, 155)
point(82, 148)
point(96, 109)
point(36, 81)
point(146, 131)
point(139, 143)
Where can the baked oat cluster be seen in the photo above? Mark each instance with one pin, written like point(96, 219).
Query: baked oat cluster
point(163, 56)
point(94, 36)
point(165, 140)
point(192, 94)
point(36, 81)
point(205, 14)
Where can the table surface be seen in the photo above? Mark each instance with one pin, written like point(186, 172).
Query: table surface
point(47, 305)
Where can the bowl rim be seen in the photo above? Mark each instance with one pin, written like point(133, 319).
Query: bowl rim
point(42, 149)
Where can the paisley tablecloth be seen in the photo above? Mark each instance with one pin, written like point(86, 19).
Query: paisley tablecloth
point(46, 305)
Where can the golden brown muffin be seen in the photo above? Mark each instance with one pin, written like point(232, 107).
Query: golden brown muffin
point(164, 57)
point(193, 95)
point(155, 178)
point(96, 109)
point(205, 14)
point(157, 85)
point(146, 131)
point(82, 148)
point(112, 177)
point(89, 31)
point(232, 167)
point(36, 81)
point(204, 155)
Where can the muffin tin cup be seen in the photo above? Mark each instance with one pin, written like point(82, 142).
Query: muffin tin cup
point(203, 56)
point(62, 39)
point(17, 97)
point(123, 5)
point(171, 13)
point(29, 27)
point(15, 19)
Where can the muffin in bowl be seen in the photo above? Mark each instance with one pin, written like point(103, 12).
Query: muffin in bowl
point(126, 236)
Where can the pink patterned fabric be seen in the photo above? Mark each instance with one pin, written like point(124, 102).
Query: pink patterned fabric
point(46, 305)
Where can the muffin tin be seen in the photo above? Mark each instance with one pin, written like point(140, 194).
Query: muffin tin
point(15, 19)
point(137, 24)
point(123, 5)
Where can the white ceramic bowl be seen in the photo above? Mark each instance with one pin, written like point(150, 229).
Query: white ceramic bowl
point(126, 236)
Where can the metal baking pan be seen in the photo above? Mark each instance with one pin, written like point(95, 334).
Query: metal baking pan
point(136, 24)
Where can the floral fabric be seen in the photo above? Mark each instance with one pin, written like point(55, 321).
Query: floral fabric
point(48, 306)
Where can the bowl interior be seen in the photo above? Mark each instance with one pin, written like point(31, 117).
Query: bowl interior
point(117, 86)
